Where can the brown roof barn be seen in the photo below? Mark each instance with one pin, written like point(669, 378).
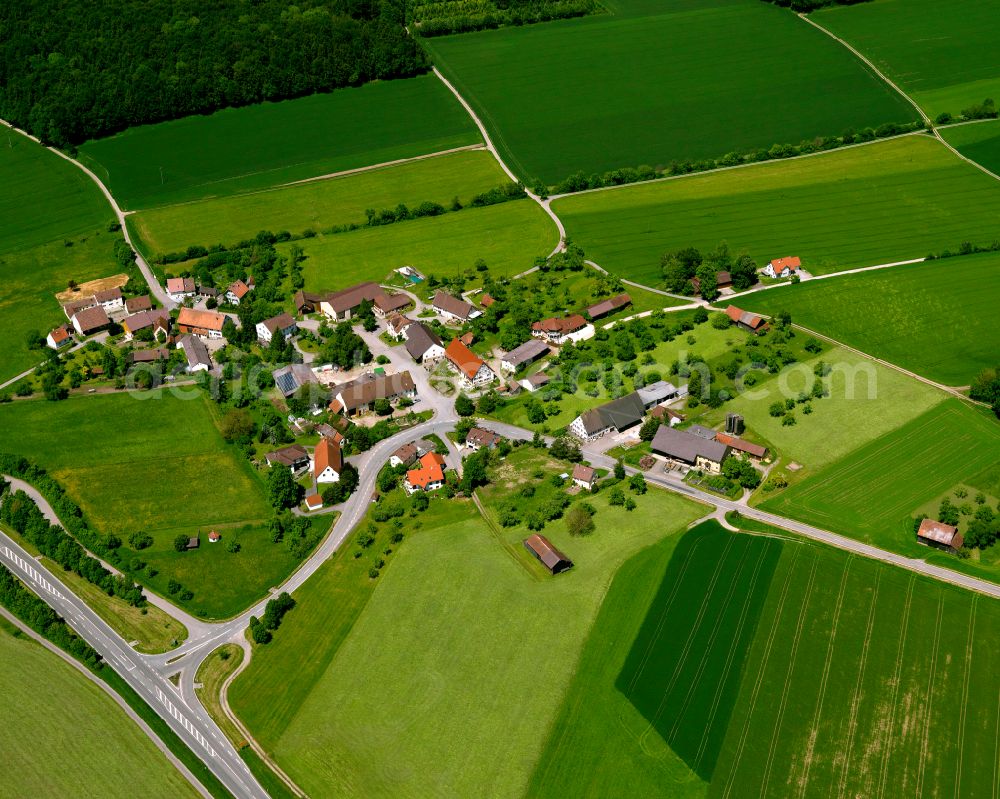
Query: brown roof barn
point(553, 560)
point(939, 535)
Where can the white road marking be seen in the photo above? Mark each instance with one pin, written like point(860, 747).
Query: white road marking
point(176, 713)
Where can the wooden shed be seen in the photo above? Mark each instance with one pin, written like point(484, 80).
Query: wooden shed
point(553, 560)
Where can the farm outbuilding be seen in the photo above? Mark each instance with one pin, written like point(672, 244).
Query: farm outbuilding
point(553, 560)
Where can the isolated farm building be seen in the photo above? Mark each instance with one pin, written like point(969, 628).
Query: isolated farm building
point(328, 462)
point(617, 415)
point(306, 301)
point(214, 537)
point(485, 300)
point(59, 337)
point(535, 381)
point(207, 324)
point(134, 305)
point(180, 288)
point(342, 305)
point(291, 378)
point(360, 395)
point(193, 543)
point(584, 476)
point(939, 535)
point(604, 307)
point(553, 560)
point(90, 320)
point(560, 330)
point(110, 300)
point(471, 368)
point(282, 324)
point(386, 304)
point(146, 356)
point(404, 456)
point(294, 457)
point(453, 308)
point(423, 344)
point(680, 445)
point(522, 355)
point(198, 359)
point(782, 267)
point(395, 326)
point(236, 292)
point(753, 452)
point(478, 438)
point(74, 307)
point(657, 392)
point(156, 320)
point(746, 320)
point(314, 502)
point(723, 280)
point(428, 476)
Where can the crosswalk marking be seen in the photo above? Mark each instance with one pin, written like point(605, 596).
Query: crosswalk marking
point(176, 713)
point(32, 572)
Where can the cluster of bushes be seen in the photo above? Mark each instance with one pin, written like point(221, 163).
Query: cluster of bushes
point(274, 612)
point(297, 532)
point(966, 248)
point(43, 620)
point(984, 110)
point(983, 529)
point(681, 267)
point(442, 17)
point(618, 177)
point(805, 6)
point(986, 388)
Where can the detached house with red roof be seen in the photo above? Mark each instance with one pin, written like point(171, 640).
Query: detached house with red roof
point(783, 267)
point(427, 476)
point(558, 331)
point(328, 462)
point(180, 288)
point(470, 367)
point(236, 292)
point(59, 338)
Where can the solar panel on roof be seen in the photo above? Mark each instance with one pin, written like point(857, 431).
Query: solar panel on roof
point(286, 383)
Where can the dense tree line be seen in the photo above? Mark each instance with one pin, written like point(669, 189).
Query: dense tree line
point(74, 71)
point(986, 388)
point(274, 612)
point(681, 267)
point(805, 6)
point(440, 17)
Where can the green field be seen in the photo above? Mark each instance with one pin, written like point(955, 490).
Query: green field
point(508, 236)
point(879, 203)
point(872, 493)
point(979, 141)
point(401, 705)
point(940, 53)
point(935, 318)
point(317, 205)
point(264, 145)
point(68, 737)
point(653, 83)
point(161, 466)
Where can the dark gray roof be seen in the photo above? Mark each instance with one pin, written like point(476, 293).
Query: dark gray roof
point(453, 305)
point(623, 412)
point(195, 351)
point(419, 339)
point(657, 392)
point(526, 353)
point(702, 432)
point(684, 446)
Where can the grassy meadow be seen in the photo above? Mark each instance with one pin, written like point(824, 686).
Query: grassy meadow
point(338, 733)
point(53, 715)
point(940, 53)
point(879, 203)
point(935, 318)
point(652, 83)
point(316, 205)
point(161, 466)
point(508, 236)
point(979, 141)
point(242, 149)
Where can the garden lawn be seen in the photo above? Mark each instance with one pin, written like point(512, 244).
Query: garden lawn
point(68, 737)
point(940, 53)
point(878, 203)
point(317, 205)
point(873, 492)
point(415, 724)
point(508, 237)
point(161, 466)
point(936, 318)
point(652, 83)
point(242, 149)
point(979, 141)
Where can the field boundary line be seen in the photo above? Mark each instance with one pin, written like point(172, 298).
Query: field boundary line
point(931, 674)
point(965, 691)
point(896, 677)
point(772, 748)
point(964, 122)
point(818, 712)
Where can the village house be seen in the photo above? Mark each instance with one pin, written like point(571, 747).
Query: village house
point(558, 331)
point(282, 324)
point(478, 438)
point(214, 537)
point(694, 450)
point(110, 300)
point(939, 535)
point(157, 320)
point(180, 288)
point(454, 309)
point(342, 305)
point(752, 452)
point(146, 356)
point(534, 382)
point(314, 502)
point(423, 344)
point(73, 307)
point(306, 301)
point(360, 395)
point(208, 292)
point(292, 377)
point(386, 304)
point(519, 357)
point(604, 307)
point(90, 320)
point(134, 305)
point(471, 368)
point(207, 324)
point(404, 456)
point(428, 476)
point(584, 476)
point(553, 560)
point(618, 415)
point(196, 353)
point(294, 457)
point(59, 337)
point(746, 320)
point(782, 267)
point(328, 462)
point(395, 326)
point(236, 292)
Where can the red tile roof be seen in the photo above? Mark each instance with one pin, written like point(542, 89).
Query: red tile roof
point(464, 359)
point(431, 470)
point(740, 445)
point(327, 454)
point(207, 320)
point(940, 533)
point(793, 262)
point(554, 325)
point(239, 289)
